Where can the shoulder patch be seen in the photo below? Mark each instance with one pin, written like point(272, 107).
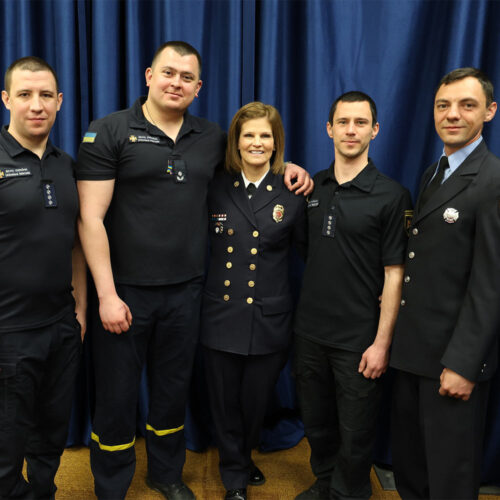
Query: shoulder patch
point(408, 220)
point(89, 137)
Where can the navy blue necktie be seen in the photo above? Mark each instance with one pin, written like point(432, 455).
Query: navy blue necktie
point(436, 181)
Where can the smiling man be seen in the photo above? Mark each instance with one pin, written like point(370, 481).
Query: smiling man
point(356, 247)
point(40, 339)
point(445, 343)
point(143, 179)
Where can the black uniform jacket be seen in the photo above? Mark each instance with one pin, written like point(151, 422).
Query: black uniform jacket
point(450, 308)
point(247, 304)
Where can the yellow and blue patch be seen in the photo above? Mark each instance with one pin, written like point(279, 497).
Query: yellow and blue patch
point(89, 137)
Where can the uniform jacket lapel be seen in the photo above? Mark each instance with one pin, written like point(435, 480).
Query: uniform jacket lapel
point(457, 182)
point(236, 190)
point(269, 189)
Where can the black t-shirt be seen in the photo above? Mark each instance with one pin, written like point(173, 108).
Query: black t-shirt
point(157, 220)
point(355, 229)
point(38, 209)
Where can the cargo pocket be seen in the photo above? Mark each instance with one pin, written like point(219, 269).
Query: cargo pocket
point(7, 390)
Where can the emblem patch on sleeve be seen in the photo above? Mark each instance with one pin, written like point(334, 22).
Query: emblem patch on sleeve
point(89, 137)
point(407, 220)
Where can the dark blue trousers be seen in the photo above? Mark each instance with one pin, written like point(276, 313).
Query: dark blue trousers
point(37, 373)
point(339, 408)
point(163, 335)
point(437, 441)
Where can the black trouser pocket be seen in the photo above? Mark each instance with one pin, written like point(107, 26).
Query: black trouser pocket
point(7, 390)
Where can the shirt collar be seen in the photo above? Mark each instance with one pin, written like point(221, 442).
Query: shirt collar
point(363, 181)
point(458, 157)
point(255, 183)
point(138, 120)
point(14, 148)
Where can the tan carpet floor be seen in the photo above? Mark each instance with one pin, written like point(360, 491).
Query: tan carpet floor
point(287, 472)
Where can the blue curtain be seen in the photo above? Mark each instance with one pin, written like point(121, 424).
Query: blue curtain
point(297, 55)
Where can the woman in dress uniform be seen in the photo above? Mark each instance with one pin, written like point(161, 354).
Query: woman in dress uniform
point(247, 304)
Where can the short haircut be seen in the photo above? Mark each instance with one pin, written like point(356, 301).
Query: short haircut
point(182, 48)
point(251, 111)
point(30, 63)
point(354, 96)
point(461, 73)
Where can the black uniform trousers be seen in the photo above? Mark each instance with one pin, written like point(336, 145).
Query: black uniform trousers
point(436, 440)
point(240, 388)
point(37, 374)
point(339, 408)
point(163, 335)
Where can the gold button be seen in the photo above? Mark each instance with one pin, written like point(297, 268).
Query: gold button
point(229, 265)
point(403, 302)
point(230, 231)
point(226, 297)
point(229, 249)
point(415, 231)
point(269, 187)
point(255, 234)
point(251, 284)
point(236, 184)
point(253, 251)
point(411, 255)
point(227, 283)
point(407, 279)
point(252, 267)
point(249, 300)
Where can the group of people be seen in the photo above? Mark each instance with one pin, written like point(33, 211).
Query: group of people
point(374, 270)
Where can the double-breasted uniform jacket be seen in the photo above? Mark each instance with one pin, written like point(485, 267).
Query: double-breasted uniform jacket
point(450, 306)
point(247, 303)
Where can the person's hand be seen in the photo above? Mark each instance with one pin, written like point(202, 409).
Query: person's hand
point(374, 362)
point(115, 314)
point(454, 385)
point(297, 179)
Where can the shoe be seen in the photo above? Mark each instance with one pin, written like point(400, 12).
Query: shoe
point(256, 477)
point(239, 494)
point(174, 491)
point(318, 491)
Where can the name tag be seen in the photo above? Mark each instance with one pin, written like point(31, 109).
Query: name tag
point(10, 172)
point(312, 203)
point(144, 138)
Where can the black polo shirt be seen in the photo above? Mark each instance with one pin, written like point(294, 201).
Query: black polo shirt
point(355, 229)
point(157, 220)
point(37, 231)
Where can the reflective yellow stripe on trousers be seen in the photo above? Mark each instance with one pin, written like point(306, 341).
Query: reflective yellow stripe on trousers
point(105, 447)
point(164, 432)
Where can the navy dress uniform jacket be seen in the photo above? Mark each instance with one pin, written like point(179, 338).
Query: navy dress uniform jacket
point(450, 308)
point(247, 303)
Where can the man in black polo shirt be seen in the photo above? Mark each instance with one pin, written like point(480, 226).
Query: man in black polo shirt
point(40, 338)
point(143, 178)
point(356, 247)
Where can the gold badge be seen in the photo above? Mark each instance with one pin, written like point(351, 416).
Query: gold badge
point(132, 138)
point(408, 220)
point(278, 213)
point(2, 174)
point(236, 184)
point(269, 187)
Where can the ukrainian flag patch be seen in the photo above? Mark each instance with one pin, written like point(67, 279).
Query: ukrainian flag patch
point(89, 137)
